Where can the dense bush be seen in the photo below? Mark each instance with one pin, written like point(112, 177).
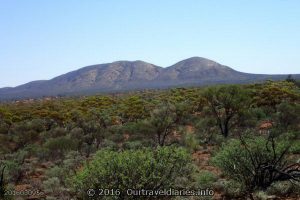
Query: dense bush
point(256, 162)
point(271, 94)
point(26, 132)
point(13, 163)
point(139, 169)
point(191, 142)
point(54, 190)
point(60, 145)
point(206, 179)
point(133, 145)
point(287, 116)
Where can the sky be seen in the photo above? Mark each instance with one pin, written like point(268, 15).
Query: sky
point(43, 39)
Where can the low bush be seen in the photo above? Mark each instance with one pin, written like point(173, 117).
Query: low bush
point(206, 179)
point(139, 169)
point(60, 145)
point(190, 141)
point(284, 188)
point(230, 188)
point(133, 145)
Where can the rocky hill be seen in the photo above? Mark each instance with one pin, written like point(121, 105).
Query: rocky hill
point(132, 75)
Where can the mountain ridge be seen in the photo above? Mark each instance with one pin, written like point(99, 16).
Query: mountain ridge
point(132, 75)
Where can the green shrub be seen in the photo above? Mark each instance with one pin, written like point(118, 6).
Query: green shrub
point(260, 195)
point(139, 169)
point(58, 146)
point(133, 145)
point(191, 142)
point(109, 144)
point(13, 170)
point(43, 153)
point(55, 171)
point(206, 129)
point(57, 132)
point(72, 161)
point(26, 132)
point(294, 139)
point(288, 116)
point(255, 162)
point(284, 188)
point(258, 113)
point(295, 148)
point(206, 179)
point(53, 188)
point(231, 189)
point(14, 165)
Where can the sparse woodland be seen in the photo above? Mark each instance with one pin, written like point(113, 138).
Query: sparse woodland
point(242, 141)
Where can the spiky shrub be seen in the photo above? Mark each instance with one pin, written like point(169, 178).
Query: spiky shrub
point(138, 169)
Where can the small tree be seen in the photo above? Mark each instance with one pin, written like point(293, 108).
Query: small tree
point(162, 123)
point(225, 104)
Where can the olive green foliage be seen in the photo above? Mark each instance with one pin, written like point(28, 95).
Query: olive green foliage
point(133, 108)
point(206, 129)
point(256, 162)
point(55, 185)
point(60, 145)
point(225, 105)
point(190, 141)
point(284, 188)
point(271, 94)
point(27, 132)
point(231, 189)
point(139, 169)
point(164, 120)
point(50, 138)
point(206, 179)
point(133, 145)
point(287, 116)
point(13, 164)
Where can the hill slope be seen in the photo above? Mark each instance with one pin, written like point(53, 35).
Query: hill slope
point(129, 75)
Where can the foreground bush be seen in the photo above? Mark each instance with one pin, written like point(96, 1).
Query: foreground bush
point(135, 169)
point(256, 163)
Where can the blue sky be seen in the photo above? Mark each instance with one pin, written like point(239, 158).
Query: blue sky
point(43, 39)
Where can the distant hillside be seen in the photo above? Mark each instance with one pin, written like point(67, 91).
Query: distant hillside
point(131, 75)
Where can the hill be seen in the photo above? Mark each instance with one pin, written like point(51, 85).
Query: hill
point(132, 75)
